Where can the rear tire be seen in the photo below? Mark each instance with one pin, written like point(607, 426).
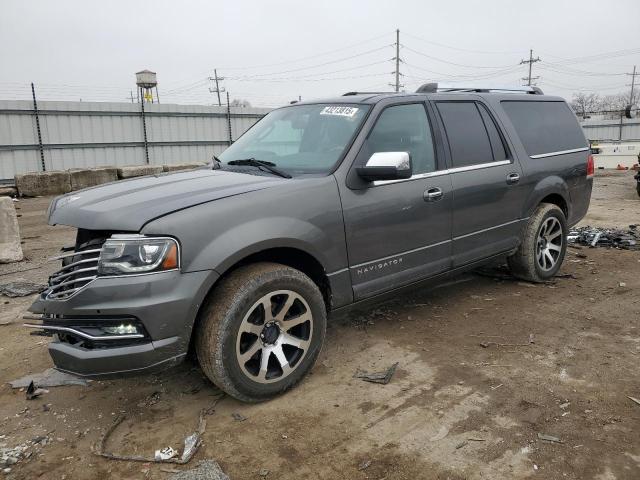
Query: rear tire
point(543, 245)
point(260, 331)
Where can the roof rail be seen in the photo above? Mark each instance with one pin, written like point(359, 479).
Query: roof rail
point(435, 88)
point(349, 94)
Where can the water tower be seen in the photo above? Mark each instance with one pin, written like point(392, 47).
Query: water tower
point(146, 81)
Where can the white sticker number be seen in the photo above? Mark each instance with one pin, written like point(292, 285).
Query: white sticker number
point(340, 111)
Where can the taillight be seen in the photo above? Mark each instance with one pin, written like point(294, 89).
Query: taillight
point(591, 168)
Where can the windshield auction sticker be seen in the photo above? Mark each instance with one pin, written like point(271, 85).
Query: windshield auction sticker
point(339, 110)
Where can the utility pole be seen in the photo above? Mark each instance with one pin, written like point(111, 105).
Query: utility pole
point(397, 73)
point(131, 95)
point(217, 90)
point(37, 117)
point(531, 61)
point(633, 83)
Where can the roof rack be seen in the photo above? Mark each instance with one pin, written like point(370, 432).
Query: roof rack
point(435, 88)
point(349, 94)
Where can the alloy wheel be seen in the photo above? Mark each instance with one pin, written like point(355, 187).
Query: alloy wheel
point(274, 336)
point(549, 243)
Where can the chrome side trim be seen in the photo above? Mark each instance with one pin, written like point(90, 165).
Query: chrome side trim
point(447, 171)
point(490, 228)
point(342, 270)
point(82, 334)
point(561, 152)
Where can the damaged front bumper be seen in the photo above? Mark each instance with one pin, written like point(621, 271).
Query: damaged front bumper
point(121, 325)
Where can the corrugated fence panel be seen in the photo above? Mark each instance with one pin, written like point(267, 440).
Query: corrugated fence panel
point(90, 134)
point(612, 130)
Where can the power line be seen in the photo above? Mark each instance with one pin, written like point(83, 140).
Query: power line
point(459, 49)
point(451, 63)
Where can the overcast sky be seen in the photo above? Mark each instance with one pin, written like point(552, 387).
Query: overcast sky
point(273, 51)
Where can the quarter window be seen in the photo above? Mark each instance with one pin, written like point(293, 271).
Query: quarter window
point(404, 128)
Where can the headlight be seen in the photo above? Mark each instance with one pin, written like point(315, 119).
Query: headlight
point(125, 254)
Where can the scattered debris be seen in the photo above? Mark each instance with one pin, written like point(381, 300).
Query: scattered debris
point(364, 465)
point(263, 472)
point(49, 378)
point(472, 439)
point(488, 344)
point(549, 438)
point(34, 392)
point(462, 444)
point(383, 377)
point(191, 445)
point(628, 239)
point(205, 470)
point(21, 289)
point(633, 399)
point(496, 387)
point(165, 454)
point(565, 405)
point(238, 417)
point(566, 275)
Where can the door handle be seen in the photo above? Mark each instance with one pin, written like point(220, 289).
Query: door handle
point(513, 178)
point(433, 194)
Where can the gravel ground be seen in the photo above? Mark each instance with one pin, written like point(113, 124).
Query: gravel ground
point(485, 366)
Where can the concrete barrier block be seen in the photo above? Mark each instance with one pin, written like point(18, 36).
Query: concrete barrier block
point(8, 191)
point(174, 167)
point(10, 249)
point(43, 183)
point(139, 171)
point(81, 178)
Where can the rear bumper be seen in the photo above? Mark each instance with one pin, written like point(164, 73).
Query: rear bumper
point(164, 306)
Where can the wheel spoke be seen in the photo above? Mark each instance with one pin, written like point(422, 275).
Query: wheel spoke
point(555, 234)
point(268, 313)
point(548, 255)
point(282, 359)
point(244, 358)
point(288, 339)
point(251, 328)
point(554, 247)
point(285, 308)
point(293, 322)
point(264, 363)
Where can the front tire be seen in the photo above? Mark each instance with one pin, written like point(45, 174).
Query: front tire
point(543, 246)
point(260, 331)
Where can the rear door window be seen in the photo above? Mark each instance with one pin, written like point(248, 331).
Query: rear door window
point(498, 146)
point(545, 127)
point(468, 137)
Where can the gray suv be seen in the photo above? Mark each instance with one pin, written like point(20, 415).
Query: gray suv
point(317, 207)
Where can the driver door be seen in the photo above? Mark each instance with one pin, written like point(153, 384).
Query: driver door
point(399, 231)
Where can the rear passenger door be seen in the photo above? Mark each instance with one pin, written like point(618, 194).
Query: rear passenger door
point(487, 197)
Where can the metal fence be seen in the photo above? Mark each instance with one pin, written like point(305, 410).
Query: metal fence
point(91, 134)
point(626, 130)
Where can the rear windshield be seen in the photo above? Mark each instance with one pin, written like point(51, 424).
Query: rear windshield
point(545, 127)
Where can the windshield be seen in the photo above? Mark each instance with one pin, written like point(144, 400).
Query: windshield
point(300, 139)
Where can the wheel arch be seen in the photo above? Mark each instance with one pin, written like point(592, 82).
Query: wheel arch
point(552, 189)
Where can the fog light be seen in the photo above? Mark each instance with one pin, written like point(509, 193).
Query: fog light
point(120, 330)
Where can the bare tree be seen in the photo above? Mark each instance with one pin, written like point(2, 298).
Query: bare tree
point(585, 103)
point(240, 103)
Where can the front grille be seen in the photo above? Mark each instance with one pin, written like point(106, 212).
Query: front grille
point(79, 267)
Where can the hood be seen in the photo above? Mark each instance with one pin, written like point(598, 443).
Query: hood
point(129, 204)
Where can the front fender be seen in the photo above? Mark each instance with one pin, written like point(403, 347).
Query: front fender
point(261, 234)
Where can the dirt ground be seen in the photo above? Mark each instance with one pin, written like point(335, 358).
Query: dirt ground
point(455, 409)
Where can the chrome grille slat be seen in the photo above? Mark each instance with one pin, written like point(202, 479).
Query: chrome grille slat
point(75, 254)
point(58, 277)
point(79, 262)
point(74, 276)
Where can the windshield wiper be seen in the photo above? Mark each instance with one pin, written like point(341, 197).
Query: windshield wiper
point(270, 166)
point(215, 163)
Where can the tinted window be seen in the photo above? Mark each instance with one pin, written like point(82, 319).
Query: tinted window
point(404, 128)
point(497, 142)
point(468, 138)
point(545, 127)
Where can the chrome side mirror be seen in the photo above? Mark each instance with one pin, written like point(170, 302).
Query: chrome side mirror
point(386, 166)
